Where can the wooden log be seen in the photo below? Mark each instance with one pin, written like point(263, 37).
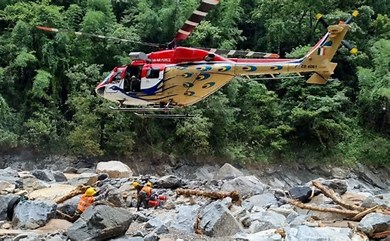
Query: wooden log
point(332, 195)
point(360, 215)
point(235, 196)
point(381, 235)
point(78, 190)
point(319, 209)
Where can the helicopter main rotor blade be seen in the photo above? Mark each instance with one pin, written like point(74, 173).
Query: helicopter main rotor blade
point(242, 53)
point(196, 17)
point(56, 30)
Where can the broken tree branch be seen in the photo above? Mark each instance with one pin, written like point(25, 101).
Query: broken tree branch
point(213, 195)
point(332, 195)
point(78, 190)
point(319, 209)
point(381, 235)
point(364, 213)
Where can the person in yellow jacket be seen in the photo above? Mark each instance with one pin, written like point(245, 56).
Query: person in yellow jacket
point(144, 195)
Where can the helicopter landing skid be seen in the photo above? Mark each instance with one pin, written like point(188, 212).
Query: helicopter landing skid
point(152, 112)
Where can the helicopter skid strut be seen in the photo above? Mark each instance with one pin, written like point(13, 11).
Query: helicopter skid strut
point(152, 112)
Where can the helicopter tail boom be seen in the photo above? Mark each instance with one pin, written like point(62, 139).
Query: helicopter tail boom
point(318, 59)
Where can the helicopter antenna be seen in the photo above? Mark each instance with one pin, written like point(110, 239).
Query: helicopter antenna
point(56, 30)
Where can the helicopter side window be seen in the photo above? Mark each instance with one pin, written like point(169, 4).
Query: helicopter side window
point(153, 73)
point(117, 77)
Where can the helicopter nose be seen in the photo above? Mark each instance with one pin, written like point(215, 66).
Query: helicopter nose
point(100, 90)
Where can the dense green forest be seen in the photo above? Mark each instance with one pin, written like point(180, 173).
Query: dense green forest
point(48, 104)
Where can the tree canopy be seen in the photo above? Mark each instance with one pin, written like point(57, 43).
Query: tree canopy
point(48, 104)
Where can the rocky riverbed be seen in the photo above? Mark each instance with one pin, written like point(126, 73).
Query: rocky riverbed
point(265, 210)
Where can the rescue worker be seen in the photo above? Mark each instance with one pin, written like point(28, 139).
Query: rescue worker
point(144, 195)
point(86, 200)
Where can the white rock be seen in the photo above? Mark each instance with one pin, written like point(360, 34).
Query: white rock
point(115, 169)
point(51, 193)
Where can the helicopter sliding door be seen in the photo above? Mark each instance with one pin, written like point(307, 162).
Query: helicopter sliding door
point(152, 79)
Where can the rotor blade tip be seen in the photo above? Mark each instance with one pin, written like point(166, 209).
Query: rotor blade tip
point(355, 13)
point(318, 16)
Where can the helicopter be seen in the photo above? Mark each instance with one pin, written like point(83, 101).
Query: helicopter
point(178, 76)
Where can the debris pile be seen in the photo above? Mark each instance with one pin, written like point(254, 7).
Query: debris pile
point(221, 204)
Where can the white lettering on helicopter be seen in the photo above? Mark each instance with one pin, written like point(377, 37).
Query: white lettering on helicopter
point(162, 60)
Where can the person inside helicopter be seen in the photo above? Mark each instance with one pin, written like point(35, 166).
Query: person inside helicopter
point(132, 82)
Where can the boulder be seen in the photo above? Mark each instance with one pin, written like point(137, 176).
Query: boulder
point(69, 206)
point(44, 175)
point(262, 200)
point(32, 183)
point(11, 176)
point(86, 178)
point(100, 223)
point(305, 233)
point(185, 218)
point(169, 181)
point(337, 185)
point(378, 200)
point(302, 193)
point(7, 187)
point(374, 223)
point(4, 200)
point(264, 220)
point(266, 235)
point(366, 174)
point(53, 192)
point(33, 214)
point(59, 176)
point(227, 171)
point(115, 169)
point(217, 221)
point(246, 186)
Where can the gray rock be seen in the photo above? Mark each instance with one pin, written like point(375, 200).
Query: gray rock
point(162, 229)
point(4, 200)
point(246, 185)
point(169, 181)
point(262, 200)
point(128, 239)
point(374, 223)
point(154, 223)
point(70, 170)
point(151, 237)
point(305, 233)
point(11, 176)
point(84, 178)
point(366, 174)
point(27, 237)
point(227, 171)
point(378, 200)
point(100, 223)
point(7, 186)
point(302, 193)
point(337, 185)
point(205, 172)
point(340, 173)
point(44, 175)
point(33, 214)
point(59, 176)
point(266, 220)
point(184, 221)
point(266, 235)
point(217, 221)
point(69, 206)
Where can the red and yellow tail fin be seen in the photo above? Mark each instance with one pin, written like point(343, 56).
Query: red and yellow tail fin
point(320, 56)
